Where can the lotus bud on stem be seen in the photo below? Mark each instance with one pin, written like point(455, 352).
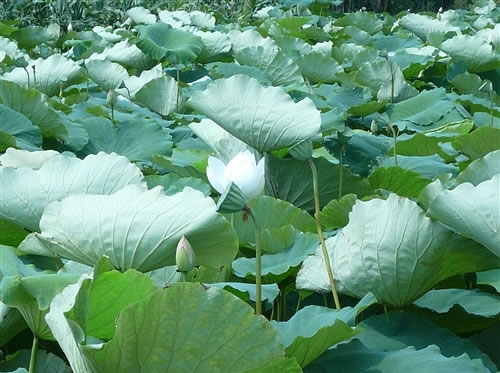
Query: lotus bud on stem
point(184, 257)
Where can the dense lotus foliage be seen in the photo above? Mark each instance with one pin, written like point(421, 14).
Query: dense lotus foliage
point(365, 143)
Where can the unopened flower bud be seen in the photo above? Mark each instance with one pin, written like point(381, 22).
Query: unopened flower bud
point(112, 97)
point(373, 126)
point(184, 256)
point(70, 27)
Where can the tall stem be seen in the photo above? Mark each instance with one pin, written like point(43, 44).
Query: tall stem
point(320, 233)
point(258, 263)
point(491, 109)
point(392, 81)
point(395, 137)
point(34, 350)
point(178, 91)
point(341, 161)
point(184, 276)
point(113, 114)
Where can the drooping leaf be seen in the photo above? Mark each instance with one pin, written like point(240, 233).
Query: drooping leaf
point(355, 357)
point(26, 192)
point(313, 329)
point(33, 105)
point(318, 67)
point(478, 143)
point(161, 95)
point(336, 213)
point(106, 74)
point(264, 118)
point(468, 209)
point(137, 228)
point(134, 139)
point(481, 169)
point(403, 182)
point(390, 248)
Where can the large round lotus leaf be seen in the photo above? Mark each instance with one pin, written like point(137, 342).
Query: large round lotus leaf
point(249, 38)
point(134, 83)
point(159, 40)
point(16, 124)
point(471, 210)
point(33, 105)
point(31, 36)
point(390, 248)
point(365, 21)
point(279, 68)
point(478, 55)
point(137, 228)
point(218, 332)
point(26, 192)
point(108, 75)
point(160, 95)
point(183, 328)
point(422, 25)
point(49, 74)
point(128, 55)
point(319, 68)
point(264, 118)
point(134, 139)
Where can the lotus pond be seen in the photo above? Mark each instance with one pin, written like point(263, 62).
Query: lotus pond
point(298, 191)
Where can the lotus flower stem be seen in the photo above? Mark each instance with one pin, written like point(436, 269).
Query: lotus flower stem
point(34, 351)
point(184, 276)
point(395, 136)
point(320, 234)
point(28, 74)
point(258, 263)
point(340, 169)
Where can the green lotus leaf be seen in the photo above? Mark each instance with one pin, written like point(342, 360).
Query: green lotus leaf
point(403, 182)
point(137, 229)
point(160, 40)
point(173, 183)
point(336, 213)
point(248, 291)
point(21, 128)
point(481, 169)
point(362, 153)
point(249, 38)
point(50, 74)
point(313, 329)
point(200, 320)
point(222, 142)
point(139, 15)
point(136, 140)
point(276, 267)
point(30, 290)
point(428, 167)
point(478, 55)
point(264, 118)
point(411, 62)
point(26, 192)
point(419, 113)
point(33, 105)
point(45, 362)
point(390, 248)
point(272, 214)
point(341, 97)
point(106, 74)
point(491, 278)
point(422, 25)
point(318, 67)
point(11, 322)
point(387, 80)
point(291, 181)
point(355, 357)
point(279, 68)
point(365, 21)
point(215, 44)
point(352, 56)
point(31, 36)
point(468, 209)
point(128, 55)
point(227, 70)
point(399, 330)
point(161, 95)
point(473, 301)
point(478, 143)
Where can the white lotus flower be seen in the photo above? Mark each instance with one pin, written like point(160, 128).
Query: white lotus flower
point(241, 170)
